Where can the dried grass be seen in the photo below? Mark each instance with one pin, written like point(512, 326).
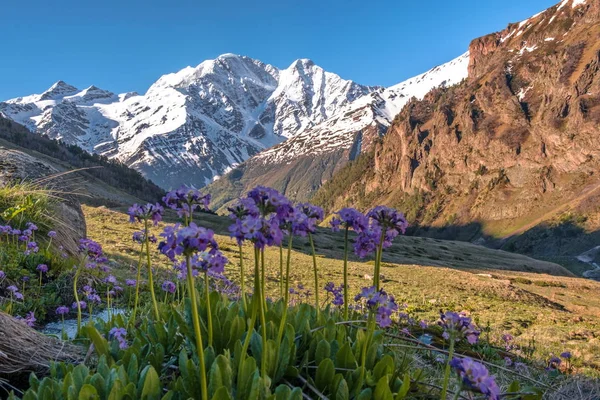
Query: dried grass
point(24, 350)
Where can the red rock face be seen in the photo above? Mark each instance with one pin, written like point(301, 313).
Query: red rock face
point(520, 137)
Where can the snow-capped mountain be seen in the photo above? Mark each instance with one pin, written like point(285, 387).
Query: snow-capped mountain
point(302, 163)
point(193, 125)
point(376, 109)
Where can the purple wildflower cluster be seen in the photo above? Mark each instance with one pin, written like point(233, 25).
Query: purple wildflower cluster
point(43, 268)
point(91, 294)
point(14, 292)
point(379, 227)
point(380, 302)
point(29, 319)
point(62, 310)
point(475, 377)
point(186, 200)
point(149, 212)
point(120, 335)
point(458, 326)
point(337, 292)
point(169, 287)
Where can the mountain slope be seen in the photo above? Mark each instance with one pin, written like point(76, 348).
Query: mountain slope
point(94, 179)
point(193, 125)
point(518, 139)
point(300, 165)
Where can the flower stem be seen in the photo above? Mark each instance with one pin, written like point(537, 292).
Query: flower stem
point(208, 310)
point(77, 273)
point(149, 265)
point(242, 279)
point(137, 284)
point(447, 370)
point(197, 331)
point(378, 261)
point(314, 257)
point(286, 291)
point(346, 274)
point(263, 323)
point(281, 270)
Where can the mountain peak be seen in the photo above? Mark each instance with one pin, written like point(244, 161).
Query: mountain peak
point(58, 90)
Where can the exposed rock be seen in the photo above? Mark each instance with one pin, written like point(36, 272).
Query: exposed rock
point(16, 166)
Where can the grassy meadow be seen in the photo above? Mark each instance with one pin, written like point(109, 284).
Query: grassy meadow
point(544, 306)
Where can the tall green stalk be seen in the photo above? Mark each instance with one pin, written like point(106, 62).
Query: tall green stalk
point(137, 284)
point(255, 302)
point(149, 265)
point(242, 279)
point(77, 274)
point(447, 370)
point(208, 309)
point(314, 257)
point(263, 322)
point(197, 331)
point(378, 257)
point(281, 270)
point(286, 295)
point(346, 274)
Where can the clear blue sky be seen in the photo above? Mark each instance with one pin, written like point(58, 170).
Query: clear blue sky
point(125, 45)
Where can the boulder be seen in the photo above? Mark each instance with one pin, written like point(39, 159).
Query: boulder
point(17, 166)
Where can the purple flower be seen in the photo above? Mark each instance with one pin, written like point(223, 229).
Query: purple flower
point(269, 201)
point(52, 234)
point(32, 247)
point(566, 355)
point(29, 319)
point(187, 240)
point(186, 200)
point(120, 335)
point(259, 230)
point(457, 326)
point(43, 268)
point(92, 249)
point(15, 292)
point(12, 289)
point(169, 287)
point(367, 241)
point(31, 226)
point(476, 377)
point(380, 302)
point(389, 219)
point(2, 274)
point(62, 310)
point(110, 279)
point(82, 304)
point(131, 282)
point(423, 324)
point(350, 218)
point(337, 292)
point(554, 362)
point(306, 219)
point(148, 212)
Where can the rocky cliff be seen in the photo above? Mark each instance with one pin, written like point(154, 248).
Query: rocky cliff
point(514, 145)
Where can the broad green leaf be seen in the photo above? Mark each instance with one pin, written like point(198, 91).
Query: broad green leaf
point(88, 392)
point(100, 343)
point(151, 389)
point(325, 374)
point(382, 390)
point(345, 358)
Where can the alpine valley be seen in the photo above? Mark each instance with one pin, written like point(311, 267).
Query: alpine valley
point(495, 143)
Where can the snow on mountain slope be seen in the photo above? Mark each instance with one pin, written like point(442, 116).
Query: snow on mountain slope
point(193, 125)
point(376, 109)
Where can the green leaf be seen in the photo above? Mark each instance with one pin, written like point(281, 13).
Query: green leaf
point(88, 392)
point(366, 394)
point(404, 388)
point(325, 374)
point(382, 390)
point(116, 393)
point(151, 387)
point(323, 351)
point(222, 394)
point(100, 343)
point(385, 366)
point(342, 392)
point(345, 358)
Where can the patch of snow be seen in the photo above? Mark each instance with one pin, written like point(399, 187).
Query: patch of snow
point(578, 3)
point(549, 39)
point(523, 92)
point(528, 49)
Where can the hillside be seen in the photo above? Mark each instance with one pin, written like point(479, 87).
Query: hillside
point(509, 154)
point(95, 180)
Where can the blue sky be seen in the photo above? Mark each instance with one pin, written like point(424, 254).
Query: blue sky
point(125, 45)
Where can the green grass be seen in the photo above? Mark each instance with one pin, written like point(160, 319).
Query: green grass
point(498, 289)
point(21, 203)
